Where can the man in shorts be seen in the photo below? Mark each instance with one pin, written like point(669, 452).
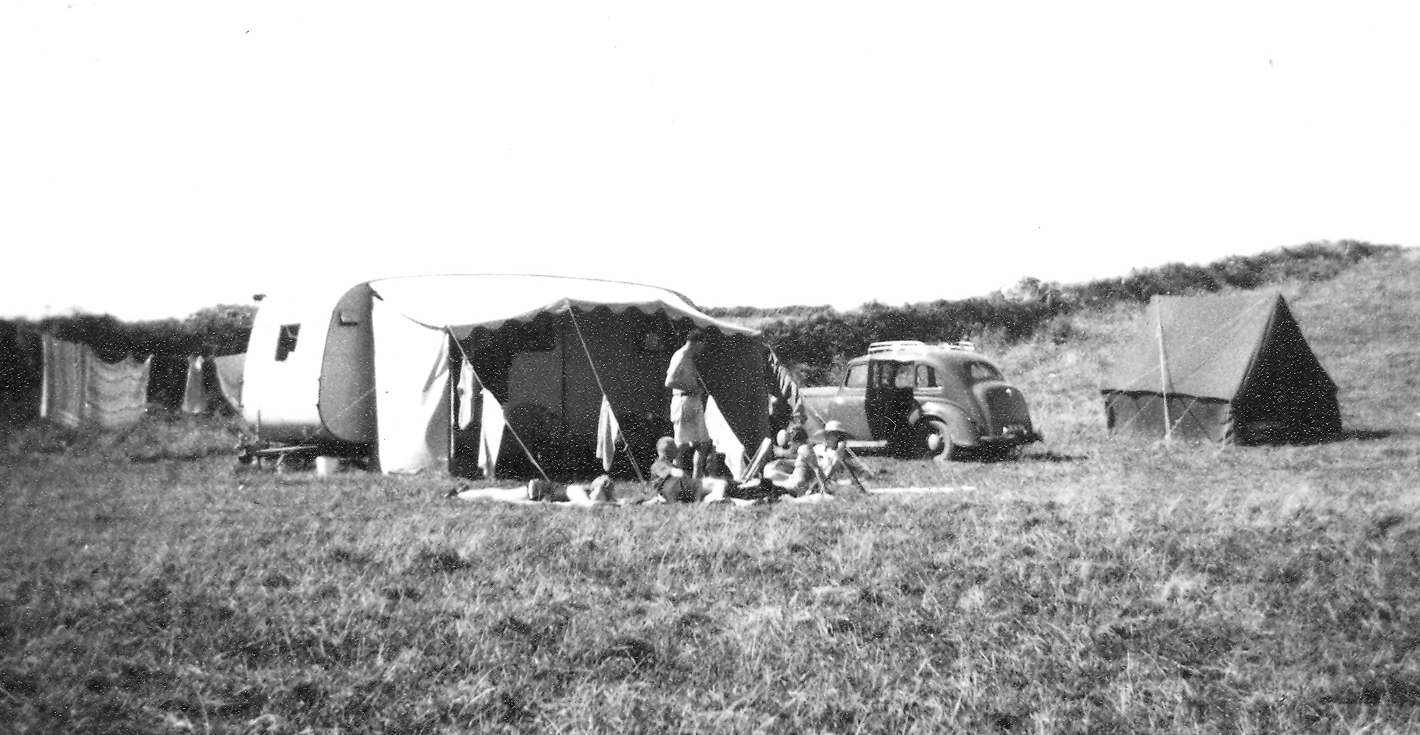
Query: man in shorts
point(692, 439)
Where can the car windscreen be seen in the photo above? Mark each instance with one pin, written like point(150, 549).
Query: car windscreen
point(857, 376)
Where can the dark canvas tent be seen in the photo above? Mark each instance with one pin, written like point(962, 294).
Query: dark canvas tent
point(1232, 368)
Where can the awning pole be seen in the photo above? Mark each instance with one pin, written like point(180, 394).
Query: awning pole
point(625, 445)
point(507, 424)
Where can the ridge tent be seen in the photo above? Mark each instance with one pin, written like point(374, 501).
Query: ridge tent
point(1224, 368)
point(394, 369)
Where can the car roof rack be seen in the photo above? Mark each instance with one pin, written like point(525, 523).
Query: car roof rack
point(912, 344)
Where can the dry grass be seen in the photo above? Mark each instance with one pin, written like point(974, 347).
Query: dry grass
point(1094, 586)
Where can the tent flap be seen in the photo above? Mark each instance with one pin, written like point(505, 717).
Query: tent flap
point(411, 393)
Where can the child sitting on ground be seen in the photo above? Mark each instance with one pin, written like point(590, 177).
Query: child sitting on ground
point(675, 486)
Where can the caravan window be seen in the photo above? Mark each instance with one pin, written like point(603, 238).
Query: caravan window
point(286, 342)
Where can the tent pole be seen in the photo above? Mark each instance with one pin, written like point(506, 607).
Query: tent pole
point(625, 445)
point(1163, 369)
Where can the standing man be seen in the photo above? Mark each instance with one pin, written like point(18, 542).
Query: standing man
point(688, 406)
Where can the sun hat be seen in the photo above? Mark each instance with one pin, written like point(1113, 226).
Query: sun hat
point(834, 426)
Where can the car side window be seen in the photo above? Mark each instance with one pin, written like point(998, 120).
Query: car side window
point(906, 376)
point(857, 376)
point(883, 374)
point(926, 376)
point(980, 371)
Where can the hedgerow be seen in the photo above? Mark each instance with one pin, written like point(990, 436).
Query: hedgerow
point(216, 330)
point(816, 341)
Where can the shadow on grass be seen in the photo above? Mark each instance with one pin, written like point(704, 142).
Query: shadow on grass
point(146, 457)
point(1366, 435)
point(1050, 456)
point(1345, 436)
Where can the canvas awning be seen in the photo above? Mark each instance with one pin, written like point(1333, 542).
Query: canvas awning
point(463, 302)
point(595, 354)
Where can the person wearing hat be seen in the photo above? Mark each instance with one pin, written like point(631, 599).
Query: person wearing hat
point(834, 454)
point(693, 446)
point(830, 456)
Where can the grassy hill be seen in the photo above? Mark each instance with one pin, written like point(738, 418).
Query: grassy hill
point(1364, 326)
point(1096, 585)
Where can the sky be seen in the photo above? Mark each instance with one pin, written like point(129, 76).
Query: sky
point(158, 158)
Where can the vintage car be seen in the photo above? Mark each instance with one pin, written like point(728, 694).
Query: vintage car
point(918, 399)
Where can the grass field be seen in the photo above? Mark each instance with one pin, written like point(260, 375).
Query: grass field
point(1095, 585)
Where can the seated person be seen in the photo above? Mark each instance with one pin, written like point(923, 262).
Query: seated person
point(815, 462)
point(600, 491)
point(786, 451)
point(674, 485)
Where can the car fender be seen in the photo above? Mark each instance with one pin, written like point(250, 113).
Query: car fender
point(960, 425)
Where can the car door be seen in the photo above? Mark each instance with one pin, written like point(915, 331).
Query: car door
point(889, 398)
point(847, 405)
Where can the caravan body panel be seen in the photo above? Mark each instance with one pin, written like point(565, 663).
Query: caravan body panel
point(308, 367)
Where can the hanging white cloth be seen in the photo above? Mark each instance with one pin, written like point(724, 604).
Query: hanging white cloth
point(724, 438)
point(468, 393)
point(608, 434)
point(229, 378)
point(490, 433)
point(194, 394)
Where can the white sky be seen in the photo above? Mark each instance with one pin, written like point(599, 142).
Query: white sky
point(161, 157)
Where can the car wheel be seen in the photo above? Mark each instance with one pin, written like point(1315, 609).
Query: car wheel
point(934, 441)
